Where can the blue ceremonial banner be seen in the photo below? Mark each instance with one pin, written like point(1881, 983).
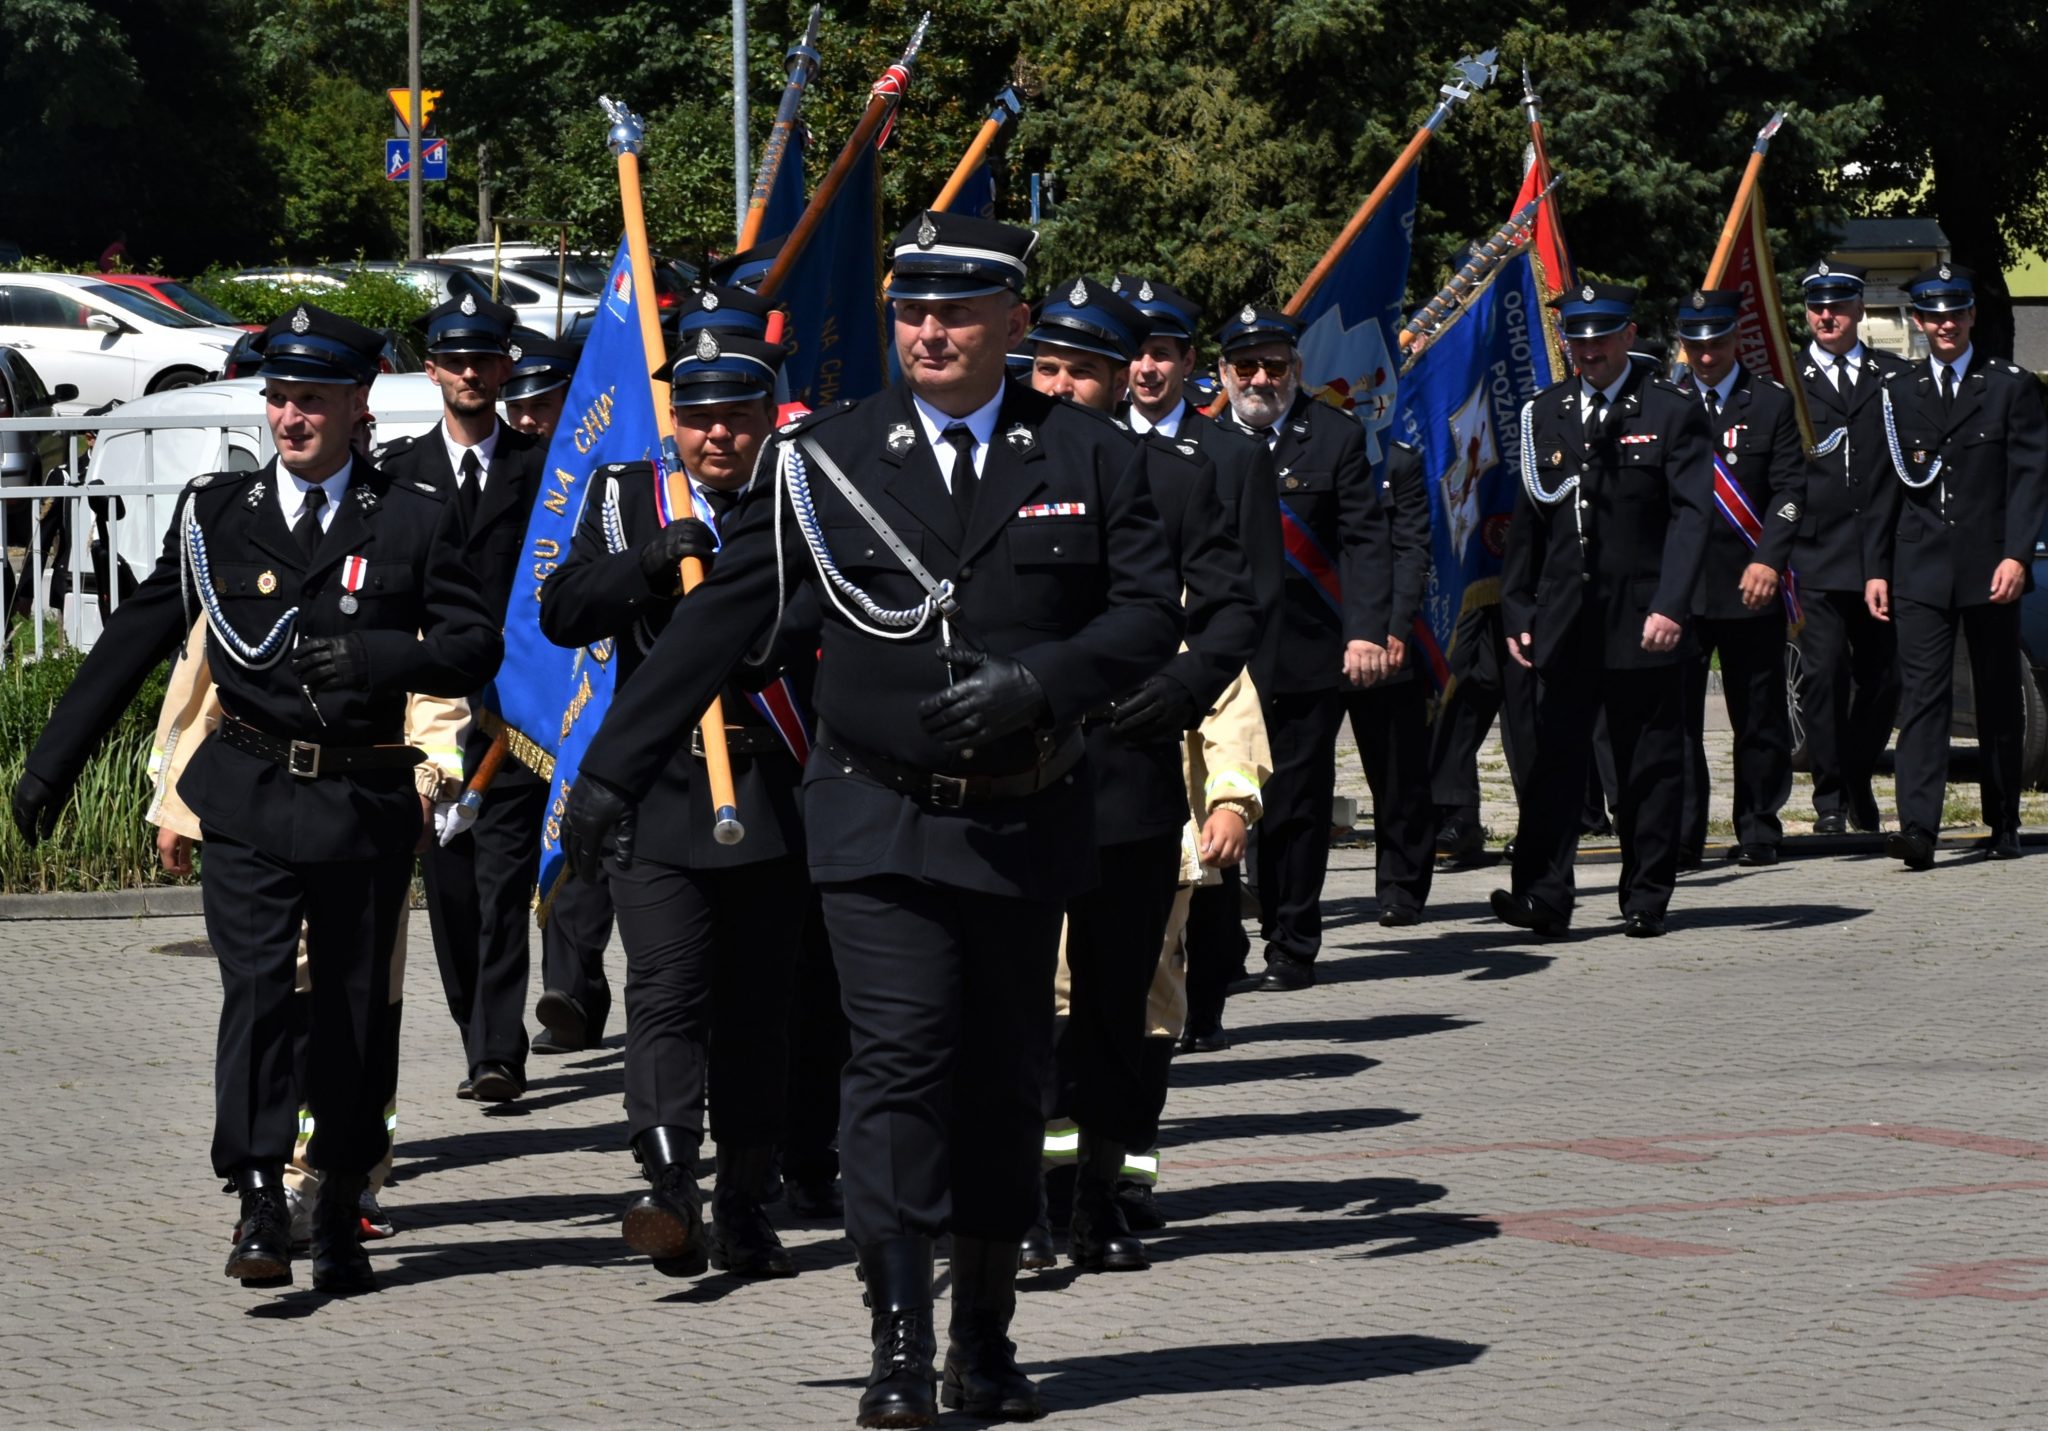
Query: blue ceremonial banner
point(833, 293)
point(786, 196)
point(1461, 404)
point(1350, 356)
point(549, 700)
point(977, 197)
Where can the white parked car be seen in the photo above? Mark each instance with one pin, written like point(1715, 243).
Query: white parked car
point(113, 344)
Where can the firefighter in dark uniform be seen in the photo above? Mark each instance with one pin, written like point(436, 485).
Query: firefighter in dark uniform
point(710, 929)
point(1390, 719)
point(539, 385)
point(1604, 551)
point(480, 883)
point(330, 590)
point(1160, 380)
point(991, 569)
point(1111, 1078)
point(1334, 615)
point(1739, 609)
point(1484, 684)
point(1951, 544)
point(1848, 659)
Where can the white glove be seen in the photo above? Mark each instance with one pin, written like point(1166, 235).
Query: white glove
point(451, 818)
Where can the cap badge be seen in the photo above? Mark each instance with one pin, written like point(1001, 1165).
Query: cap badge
point(707, 346)
point(1699, 298)
point(515, 352)
point(900, 438)
point(1822, 268)
point(927, 232)
point(1077, 296)
point(1586, 294)
point(1019, 436)
point(709, 302)
point(469, 303)
point(1145, 291)
point(300, 321)
point(1944, 271)
point(1250, 315)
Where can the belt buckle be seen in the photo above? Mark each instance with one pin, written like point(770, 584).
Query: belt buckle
point(948, 792)
point(303, 759)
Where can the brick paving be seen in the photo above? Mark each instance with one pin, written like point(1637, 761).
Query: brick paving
point(1786, 1167)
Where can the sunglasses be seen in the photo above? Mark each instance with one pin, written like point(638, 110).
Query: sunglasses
point(1249, 368)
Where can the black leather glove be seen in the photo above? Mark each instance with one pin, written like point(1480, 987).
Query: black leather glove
point(599, 816)
point(332, 663)
point(998, 697)
point(37, 804)
point(662, 555)
point(1161, 709)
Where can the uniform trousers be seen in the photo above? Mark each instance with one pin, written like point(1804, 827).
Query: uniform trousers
point(1291, 851)
point(301, 1175)
point(572, 945)
point(949, 1007)
point(256, 906)
point(480, 904)
point(1848, 699)
point(1753, 682)
point(1391, 725)
point(1927, 649)
point(1487, 684)
point(1114, 933)
point(709, 956)
point(817, 1057)
point(1217, 947)
point(1647, 724)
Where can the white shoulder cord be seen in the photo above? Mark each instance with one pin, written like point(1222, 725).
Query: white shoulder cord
point(1530, 482)
point(1891, 437)
point(194, 571)
point(615, 543)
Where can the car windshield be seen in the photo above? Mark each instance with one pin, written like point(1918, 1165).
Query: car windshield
point(145, 307)
point(198, 307)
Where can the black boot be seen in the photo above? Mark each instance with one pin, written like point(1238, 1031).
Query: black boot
point(262, 1254)
point(898, 1274)
point(743, 1241)
point(667, 1221)
point(1037, 1252)
point(1099, 1238)
point(340, 1266)
point(981, 1376)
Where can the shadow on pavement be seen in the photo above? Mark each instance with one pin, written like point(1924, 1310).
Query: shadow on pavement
point(1765, 917)
point(1221, 1127)
point(1372, 1196)
point(1494, 953)
point(492, 1144)
point(1103, 1380)
point(1210, 1072)
point(1373, 1029)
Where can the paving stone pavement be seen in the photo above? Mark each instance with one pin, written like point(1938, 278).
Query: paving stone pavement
point(1786, 1167)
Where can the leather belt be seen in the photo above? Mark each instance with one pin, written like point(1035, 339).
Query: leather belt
point(309, 761)
point(740, 740)
point(1058, 753)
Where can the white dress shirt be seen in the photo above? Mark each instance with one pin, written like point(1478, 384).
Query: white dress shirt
point(1961, 365)
point(292, 490)
point(1168, 426)
point(483, 450)
point(1854, 358)
point(981, 422)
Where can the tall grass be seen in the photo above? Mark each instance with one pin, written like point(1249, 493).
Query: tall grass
point(102, 842)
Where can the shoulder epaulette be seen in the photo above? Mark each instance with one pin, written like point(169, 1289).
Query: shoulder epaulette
point(619, 469)
point(221, 480)
point(1407, 445)
point(392, 448)
point(815, 416)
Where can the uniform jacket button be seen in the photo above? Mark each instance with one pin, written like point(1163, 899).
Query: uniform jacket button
point(870, 551)
point(967, 571)
point(1058, 550)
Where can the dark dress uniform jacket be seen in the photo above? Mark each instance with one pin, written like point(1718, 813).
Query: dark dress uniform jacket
point(1083, 596)
point(1769, 463)
point(423, 624)
point(1323, 478)
point(1841, 486)
point(1405, 495)
point(1939, 545)
point(497, 533)
point(597, 595)
point(1141, 790)
point(1645, 490)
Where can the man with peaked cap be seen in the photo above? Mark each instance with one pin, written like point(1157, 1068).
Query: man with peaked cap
point(1161, 379)
point(991, 569)
point(1604, 551)
point(1110, 1077)
point(541, 370)
point(748, 267)
point(480, 881)
point(1746, 590)
point(710, 930)
point(1848, 659)
point(1334, 618)
point(1950, 545)
point(330, 590)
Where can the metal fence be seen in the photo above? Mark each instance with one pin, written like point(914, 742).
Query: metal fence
point(72, 539)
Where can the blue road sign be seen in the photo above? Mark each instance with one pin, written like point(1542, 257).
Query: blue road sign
point(397, 157)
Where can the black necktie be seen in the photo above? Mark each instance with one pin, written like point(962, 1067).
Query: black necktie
point(1948, 385)
point(1845, 376)
point(964, 480)
point(472, 481)
point(720, 503)
point(1713, 402)
point(1596, 418)
point(306, 531)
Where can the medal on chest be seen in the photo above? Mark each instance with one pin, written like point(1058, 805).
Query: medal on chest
point(353, 570)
